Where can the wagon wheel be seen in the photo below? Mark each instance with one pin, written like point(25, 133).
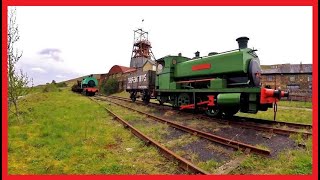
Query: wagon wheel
point(213, 112)
point(183, 99)
point(133, 97)
point(146, 99)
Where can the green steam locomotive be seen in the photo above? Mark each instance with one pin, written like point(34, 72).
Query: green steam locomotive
point(88, 86)
point(220, 83)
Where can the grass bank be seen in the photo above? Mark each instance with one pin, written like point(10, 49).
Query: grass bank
point(66, 133)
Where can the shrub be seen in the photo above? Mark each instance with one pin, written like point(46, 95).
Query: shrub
point(61, 84)
point(110, 86)
point(50, 88)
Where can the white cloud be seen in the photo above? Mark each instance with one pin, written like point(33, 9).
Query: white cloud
point(38, 69)
point(60, 76)
point(88, 40)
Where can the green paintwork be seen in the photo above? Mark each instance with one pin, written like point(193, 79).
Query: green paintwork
point(218, 83)
point(225, 90)
point(176, 74)
point(228, 99)
point(87, 79)
point(177, 67)
point(232, 62)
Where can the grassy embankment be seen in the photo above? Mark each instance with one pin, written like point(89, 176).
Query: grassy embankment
point(297, 161)
point(61, 132)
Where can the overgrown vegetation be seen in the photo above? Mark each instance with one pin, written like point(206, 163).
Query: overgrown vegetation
point(50, 88)
point(66, 133)
point(110, 86)
point(61, 84)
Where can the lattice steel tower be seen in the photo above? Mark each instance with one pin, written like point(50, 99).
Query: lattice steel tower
point(141, 51)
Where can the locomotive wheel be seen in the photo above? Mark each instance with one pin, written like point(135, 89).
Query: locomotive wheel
point(213, 112)
point(133, 99)
point(229, 113)
point(183, 99)
point(162, 100)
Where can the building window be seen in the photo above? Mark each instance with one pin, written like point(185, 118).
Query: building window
point(292, 78)
point(309, 78)
point(270, 78)
point(292, 87)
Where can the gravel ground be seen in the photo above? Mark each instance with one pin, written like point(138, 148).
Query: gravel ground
point(274, 142)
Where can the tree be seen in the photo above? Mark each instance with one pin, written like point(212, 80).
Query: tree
point(110, 86)
point(17, 80)
point(53, 82)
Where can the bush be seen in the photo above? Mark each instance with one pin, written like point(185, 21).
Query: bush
point(110, 86)
point(50, 88)
point(61, 84)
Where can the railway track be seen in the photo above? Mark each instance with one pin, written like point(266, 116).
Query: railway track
point(252, 123)
point(211, 137)
point(183, 163)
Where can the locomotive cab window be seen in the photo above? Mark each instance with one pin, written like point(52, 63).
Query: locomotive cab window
point(160, 66)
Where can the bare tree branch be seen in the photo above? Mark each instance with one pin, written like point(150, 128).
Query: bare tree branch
point(17, 82)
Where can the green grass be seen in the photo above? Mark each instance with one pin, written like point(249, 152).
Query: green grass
point(287, 115)
point(122, 94)
point(297, 161)
point(66, 133)
point(295, 104)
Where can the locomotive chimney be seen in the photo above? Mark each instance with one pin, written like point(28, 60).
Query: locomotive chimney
point(197, 54)
point(242, 42)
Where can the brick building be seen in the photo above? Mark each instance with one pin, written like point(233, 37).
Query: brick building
point(297, 78)
point(118, 72)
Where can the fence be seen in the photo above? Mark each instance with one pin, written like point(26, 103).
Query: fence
point(299, 95)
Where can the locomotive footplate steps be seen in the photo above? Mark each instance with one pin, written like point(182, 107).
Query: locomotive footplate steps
point(183, 163)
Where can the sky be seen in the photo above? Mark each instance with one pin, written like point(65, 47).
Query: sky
point(65, 42)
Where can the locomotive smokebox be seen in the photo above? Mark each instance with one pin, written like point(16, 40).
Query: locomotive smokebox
point(243, 42)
